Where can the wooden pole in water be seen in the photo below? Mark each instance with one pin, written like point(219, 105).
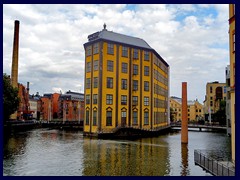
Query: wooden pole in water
point(184, 126)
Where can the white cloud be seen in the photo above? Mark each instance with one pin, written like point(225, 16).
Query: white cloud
point(51, 54)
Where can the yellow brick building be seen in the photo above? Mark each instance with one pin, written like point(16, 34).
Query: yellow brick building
point(195, 109)
point(215, 92)
point(232, 73)
point(126, 84)
point(176, 106)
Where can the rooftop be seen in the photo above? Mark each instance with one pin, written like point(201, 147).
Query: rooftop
point(116, 37)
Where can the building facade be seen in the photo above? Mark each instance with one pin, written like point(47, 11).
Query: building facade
point(62, 107)
point(195, 109)
point(46, 107)
point(176, 107)
point(71, 106)
point(232, 73)
point(126, 84)
point(228, 100)
point(215, 93)
point(33, 106)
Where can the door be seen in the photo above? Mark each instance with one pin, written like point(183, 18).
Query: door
point(123, 118)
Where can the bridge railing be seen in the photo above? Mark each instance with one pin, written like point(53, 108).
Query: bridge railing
point(178, 124)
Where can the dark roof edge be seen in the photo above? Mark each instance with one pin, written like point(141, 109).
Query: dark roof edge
point(150, 49)
point(160, 57)
point(107, 40)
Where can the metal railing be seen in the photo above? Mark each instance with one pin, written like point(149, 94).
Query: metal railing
point(215, 167)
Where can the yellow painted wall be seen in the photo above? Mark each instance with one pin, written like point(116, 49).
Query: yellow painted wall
point(177, 109)
point(215, 106)
point(106, 90)
point(120, 90)
point(232, 75)
point(118, 107)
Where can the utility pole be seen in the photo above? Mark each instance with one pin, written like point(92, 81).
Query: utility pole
point(79, 109)
point(64, 110)
point(209, 116)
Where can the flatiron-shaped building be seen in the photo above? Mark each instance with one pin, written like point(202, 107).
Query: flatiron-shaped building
point(126, 84)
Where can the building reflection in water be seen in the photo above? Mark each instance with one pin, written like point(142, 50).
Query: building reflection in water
point(14, 145)
point(184, 166)
point(143, 157)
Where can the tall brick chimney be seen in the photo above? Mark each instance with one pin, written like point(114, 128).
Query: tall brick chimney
point(184, 128)
point(14, 75)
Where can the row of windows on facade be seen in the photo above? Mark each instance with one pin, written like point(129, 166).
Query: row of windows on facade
point(224, 90)
point(110, 50)
point(159, 117)
point(160, 78)
point(160, 64)
point(110, 67)
point(158, 103)
point(125, 53)
point(123, 116)
point(197, 110)
point(157, 75)
point(110, 84)
point(160, 90)
point(109, 99)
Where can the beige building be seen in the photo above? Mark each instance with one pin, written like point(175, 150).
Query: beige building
point(33, 107)
point(195, 109)
point(232, 74)
point(215, 93)
point(176, 106)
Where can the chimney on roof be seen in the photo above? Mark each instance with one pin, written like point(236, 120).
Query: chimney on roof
point(28, 86)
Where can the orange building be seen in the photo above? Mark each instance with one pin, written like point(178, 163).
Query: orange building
point(49, 106)
point(55, 108)
point(71, 106)
point(62, 107)
point(46, 108)
point(24, 112)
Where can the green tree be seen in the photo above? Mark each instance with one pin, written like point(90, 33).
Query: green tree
point(220, 115)
point(10, 97)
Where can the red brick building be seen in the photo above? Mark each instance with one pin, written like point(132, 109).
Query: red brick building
point(63, 107)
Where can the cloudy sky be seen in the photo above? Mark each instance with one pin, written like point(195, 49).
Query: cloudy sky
point(193, 40)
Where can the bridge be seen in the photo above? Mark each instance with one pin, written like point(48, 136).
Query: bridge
point(78, 125)
point(200, 127)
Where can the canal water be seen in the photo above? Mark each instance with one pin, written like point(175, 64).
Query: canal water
point(52, 152)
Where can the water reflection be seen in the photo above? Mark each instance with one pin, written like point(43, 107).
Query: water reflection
point(46, 152)
point(127, 158)
point(184, 153)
